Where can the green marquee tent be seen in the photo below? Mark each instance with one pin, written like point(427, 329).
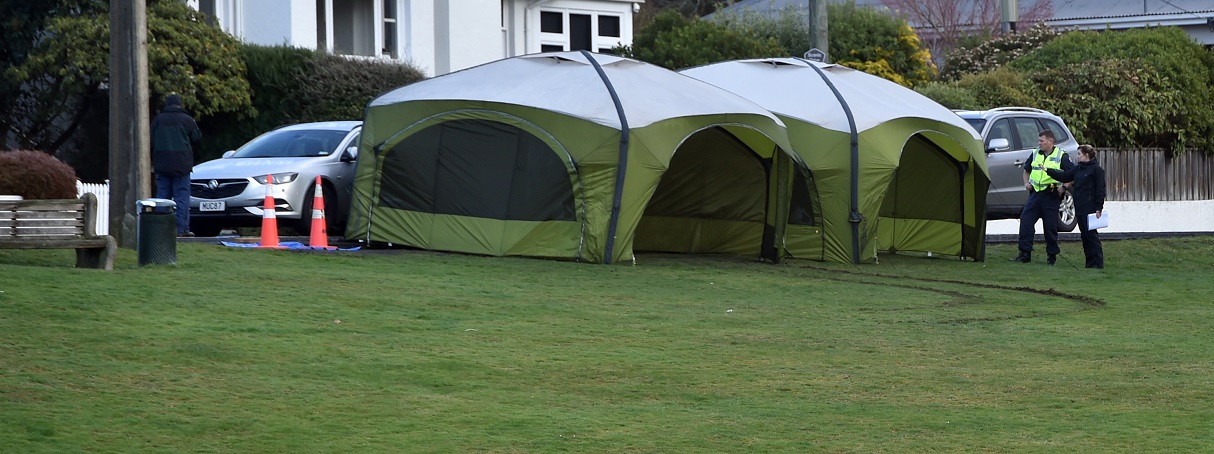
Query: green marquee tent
point(572, 155)
point(894, 170)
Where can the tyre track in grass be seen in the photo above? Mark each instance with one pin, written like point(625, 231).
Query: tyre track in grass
point(1085, 302)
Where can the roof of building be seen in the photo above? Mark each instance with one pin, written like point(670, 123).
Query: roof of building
point(1150, 11)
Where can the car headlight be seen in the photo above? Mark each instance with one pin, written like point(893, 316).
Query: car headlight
point(279, 178)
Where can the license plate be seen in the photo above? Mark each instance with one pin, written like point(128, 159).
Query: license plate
point(211, 206)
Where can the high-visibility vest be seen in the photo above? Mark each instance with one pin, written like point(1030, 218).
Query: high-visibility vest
point(1038, 178)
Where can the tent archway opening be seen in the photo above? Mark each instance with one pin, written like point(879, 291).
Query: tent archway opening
point(712, 198)
point(925, 193)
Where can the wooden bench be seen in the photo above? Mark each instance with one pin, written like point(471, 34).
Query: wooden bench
point(57, 224)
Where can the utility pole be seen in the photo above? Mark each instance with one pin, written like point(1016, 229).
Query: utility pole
point(818, 36)
point(130, 162)
point(1009, 13)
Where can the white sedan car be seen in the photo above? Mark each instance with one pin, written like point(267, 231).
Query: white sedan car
point(230, 192)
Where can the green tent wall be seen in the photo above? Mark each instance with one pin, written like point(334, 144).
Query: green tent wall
point(575, 156)
point(894, 171)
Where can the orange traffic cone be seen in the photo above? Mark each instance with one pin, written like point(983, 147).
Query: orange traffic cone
point(320, 231)
point(269, 222)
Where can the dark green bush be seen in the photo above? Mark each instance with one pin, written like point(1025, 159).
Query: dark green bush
point(675, 42)
point(950, 95)
point(1000, 88)
point(36, 175)
point(1114, 103)
point(295, 85)
point(1182, 64)
point(339, 88)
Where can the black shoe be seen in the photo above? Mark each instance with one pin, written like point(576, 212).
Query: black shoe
point(1024, 257)
point(1053, 258)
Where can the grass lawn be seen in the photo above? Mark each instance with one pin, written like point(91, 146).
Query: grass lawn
point(250, 351)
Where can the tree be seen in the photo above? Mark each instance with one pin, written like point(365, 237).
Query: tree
point(23, 28)
point(944, 23)
point(63, 74)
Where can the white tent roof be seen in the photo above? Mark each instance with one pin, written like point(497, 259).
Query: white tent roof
point(790, 87)
point(568, 83)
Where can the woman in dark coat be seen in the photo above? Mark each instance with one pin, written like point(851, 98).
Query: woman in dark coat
point(1089, 193)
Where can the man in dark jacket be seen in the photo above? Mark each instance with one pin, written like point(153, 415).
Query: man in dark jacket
point(174, 135)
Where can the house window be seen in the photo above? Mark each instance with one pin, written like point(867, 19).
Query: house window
point(609, 26)
point(389, 44)
point(552, 22)
point(562, 29)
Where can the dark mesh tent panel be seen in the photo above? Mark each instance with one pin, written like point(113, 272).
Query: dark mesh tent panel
point(712, 176)
point(477, 168)
point(927, 184)
point(803, 206)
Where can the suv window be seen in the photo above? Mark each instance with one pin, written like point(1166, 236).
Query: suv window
point(1001, 130)
point(976, 123)
point(1026, 130)
point(1059, 131)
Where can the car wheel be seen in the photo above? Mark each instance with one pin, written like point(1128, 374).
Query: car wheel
point(205, 228)
point(1066, 213)
point(304, 226)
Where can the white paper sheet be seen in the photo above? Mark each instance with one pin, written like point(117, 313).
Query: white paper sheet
point(1098, 222)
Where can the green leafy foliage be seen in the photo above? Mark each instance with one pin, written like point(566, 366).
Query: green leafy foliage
point(339, 88)
point(23, 26)
point(296, 85)
point(274, 74)
point(1185, 65)
point(675, 42)
point(975, 57)
point(186, 55)
point(36, 175)
point(1001, 87)
point(949, 95)
point(1115, 103)
point(861, 37)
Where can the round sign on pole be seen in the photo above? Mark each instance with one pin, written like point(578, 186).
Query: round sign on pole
point(815, 54)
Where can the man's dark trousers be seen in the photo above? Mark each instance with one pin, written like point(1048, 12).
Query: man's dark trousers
point(1044, 206)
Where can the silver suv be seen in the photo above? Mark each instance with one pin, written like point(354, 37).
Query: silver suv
point(230, 192)
point(1009, 135)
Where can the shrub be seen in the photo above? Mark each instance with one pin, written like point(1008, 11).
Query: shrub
point(339, 88)
point(675, 42)
point(950, 95)
point(999, 88)
point(36, 175)
point(296, 85)
point(1114, 103)
point(993, 54)
point(861, 37)
point(1185, 64)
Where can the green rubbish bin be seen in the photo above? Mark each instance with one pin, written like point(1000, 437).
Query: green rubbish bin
point(157, 234)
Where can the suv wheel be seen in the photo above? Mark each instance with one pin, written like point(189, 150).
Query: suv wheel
point(1066, 213)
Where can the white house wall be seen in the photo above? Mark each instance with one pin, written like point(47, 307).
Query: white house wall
point(276, 22)
point(436, 36)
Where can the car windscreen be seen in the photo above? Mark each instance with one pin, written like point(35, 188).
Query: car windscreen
point(298, 143)
point(976, 123)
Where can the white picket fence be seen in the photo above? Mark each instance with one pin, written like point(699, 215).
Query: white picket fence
point(103, 202)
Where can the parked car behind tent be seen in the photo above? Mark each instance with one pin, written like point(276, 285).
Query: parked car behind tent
point(895, 170)
point(572, 155)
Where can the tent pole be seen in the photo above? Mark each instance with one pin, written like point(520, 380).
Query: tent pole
point(854, 218)
point(623, 160)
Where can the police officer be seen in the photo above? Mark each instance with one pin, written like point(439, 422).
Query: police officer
point(1045, 195)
